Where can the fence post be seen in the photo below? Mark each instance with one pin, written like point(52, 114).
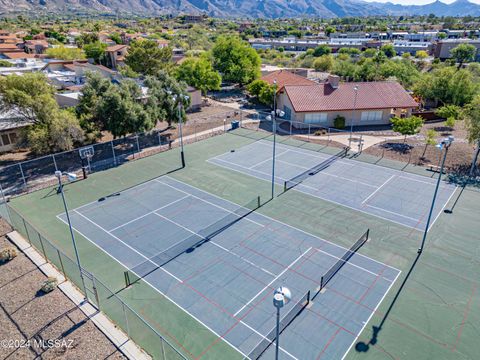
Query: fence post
point(195, 129)
point(23, 175)
point(54, 162)
point(26, 231)
point(94, 284)
point(61, 264)
point(126, 318)
point(113, 152)
point(159, 139)
point(138, 143)
point(328, 132)
point(291, 128)
point(43, 247)
point(308, 134)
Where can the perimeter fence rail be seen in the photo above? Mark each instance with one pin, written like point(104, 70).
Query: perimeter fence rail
point(37, 173)
point(96, 292)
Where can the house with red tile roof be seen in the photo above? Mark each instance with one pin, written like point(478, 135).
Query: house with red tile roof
point(363, 103)
point(116, 55)
point(286, 77)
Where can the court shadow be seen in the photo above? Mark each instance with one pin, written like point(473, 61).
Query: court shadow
point(376, 329)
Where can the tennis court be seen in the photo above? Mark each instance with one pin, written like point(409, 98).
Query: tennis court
point(397, 196)
point(226, 277)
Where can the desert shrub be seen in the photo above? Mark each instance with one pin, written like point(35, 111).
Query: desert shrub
point(49, 285)
point(8, 254)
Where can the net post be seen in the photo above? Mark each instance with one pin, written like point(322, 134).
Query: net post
point(258, 201)
point(127, 279)
point(368, 234)
point(285, 186)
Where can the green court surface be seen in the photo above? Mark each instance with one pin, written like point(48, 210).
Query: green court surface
point(431, 312)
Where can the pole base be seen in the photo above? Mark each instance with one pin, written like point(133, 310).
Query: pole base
point(183, 159)
point(447, 211)
point(419, 251)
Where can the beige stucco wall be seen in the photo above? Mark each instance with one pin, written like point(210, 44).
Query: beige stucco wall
point(348, 115)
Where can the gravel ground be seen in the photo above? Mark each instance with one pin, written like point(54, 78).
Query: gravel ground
point(29, 318)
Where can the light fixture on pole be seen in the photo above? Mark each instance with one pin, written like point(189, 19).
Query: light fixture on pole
point(181, 99)
point(445, 143)
point(71, 177)
point(355, 88)
point(281, 297)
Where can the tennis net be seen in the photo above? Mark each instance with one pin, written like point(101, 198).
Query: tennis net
point(143, 269)
point(314, 170)
point(284, 322)
point(342, 261)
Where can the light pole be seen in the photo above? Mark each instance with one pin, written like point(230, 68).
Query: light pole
point(71, 177)
point(353, 115)
point(280, 298)
point(181, 99)
point(445, 143)
point(274, 128)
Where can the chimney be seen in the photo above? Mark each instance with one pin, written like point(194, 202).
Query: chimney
point(333, 80)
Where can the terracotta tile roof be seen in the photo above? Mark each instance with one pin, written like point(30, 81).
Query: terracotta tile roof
point(285, 78)
point(371, 95)
point(8, 46)
point(115, 48)
point(18, 55)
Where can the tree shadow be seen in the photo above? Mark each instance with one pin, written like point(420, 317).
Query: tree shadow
point(402, 148)
point(365, 346)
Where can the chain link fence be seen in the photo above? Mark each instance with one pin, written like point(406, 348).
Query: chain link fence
point(95, 291)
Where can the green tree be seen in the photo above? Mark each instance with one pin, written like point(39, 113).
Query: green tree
point(322, 50)
point(95, 51)
point(463, 53)
point(324, 63)
point(86, 38)
point(430, 139)
point(388, 50)
point(421, 54)
point(121, 112)
point(199, 73)
point(407, 126)
point(449, 112)
point(65, 53)
point(236, 60)
point(442, 36)
point(471, 115)
point(162, 89)
point(329, 30)
point(262, 90)
point(33, 99)
point(145, 57)
point(447, 85)
point(116, 37)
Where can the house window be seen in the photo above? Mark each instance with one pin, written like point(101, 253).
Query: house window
point(5, 140)
point(316, 118)
point(13, 138)
point(371, 116)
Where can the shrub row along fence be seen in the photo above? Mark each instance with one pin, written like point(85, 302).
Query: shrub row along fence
point(96, 292)
point(37, 173)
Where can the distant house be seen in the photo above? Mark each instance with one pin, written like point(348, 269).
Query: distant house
point(320, 104)
point(286, 77)
point(443, 48)
point(35, 46)
point(116, 55)
point(11, 124)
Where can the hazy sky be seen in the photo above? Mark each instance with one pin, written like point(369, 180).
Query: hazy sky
point(418, 2)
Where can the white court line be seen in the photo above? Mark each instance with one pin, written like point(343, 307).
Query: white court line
point(328, 174)
point(161, 293)
point(271, 282)
point(350, 263)
point(208, 202)
point(280, 222)
point(214, 243)
point(443, 208)
point(393, 212)
point(269, 159)
point(370, 317)
point(149, 213)
point(317, 196)
point(124, 243)
point(373, 193)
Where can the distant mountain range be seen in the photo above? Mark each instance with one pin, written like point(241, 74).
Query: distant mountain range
point(243, 8)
